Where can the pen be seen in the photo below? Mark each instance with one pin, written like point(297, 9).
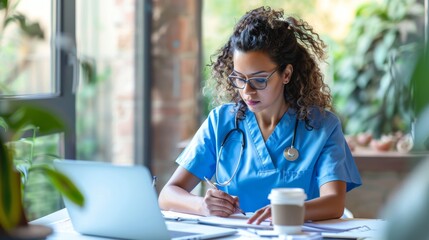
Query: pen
point(181, 219)
point(215, 187)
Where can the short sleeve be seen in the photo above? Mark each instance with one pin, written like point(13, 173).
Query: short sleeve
point(336, 161)
point(199, 157)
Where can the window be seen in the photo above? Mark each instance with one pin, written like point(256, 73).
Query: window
point(25, 54)
point(38, 72)
point(105, 32)
point(108, 116)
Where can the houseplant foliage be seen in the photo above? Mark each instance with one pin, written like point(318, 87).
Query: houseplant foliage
point(371, 72)
point(410, 220)
point(12, 215)
point(420, 87)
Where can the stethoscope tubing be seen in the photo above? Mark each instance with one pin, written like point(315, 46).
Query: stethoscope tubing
point(294, 134)
point(243, 145)
point(290, 153)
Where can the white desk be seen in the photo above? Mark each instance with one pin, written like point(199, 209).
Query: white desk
point(63, 229)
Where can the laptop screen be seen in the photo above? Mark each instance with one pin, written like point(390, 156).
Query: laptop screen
point(120, 202)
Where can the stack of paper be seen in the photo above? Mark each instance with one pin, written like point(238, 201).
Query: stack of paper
point(334, 227)
point(236, 221)
point(233, 221)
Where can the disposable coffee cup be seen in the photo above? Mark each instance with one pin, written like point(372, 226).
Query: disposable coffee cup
point(287, 210)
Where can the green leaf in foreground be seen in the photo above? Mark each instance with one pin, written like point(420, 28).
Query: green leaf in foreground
point(62, 183)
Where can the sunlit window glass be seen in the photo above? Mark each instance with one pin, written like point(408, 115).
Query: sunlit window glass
point(105, 105)
point(25, 48)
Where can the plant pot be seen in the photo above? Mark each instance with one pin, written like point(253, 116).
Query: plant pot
point(22, 230)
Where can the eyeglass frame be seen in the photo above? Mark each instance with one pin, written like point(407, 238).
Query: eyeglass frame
point(247, 80)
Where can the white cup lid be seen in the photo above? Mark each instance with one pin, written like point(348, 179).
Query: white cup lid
point(287, 195)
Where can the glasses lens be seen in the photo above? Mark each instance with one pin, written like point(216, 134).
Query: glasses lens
point(258, 83)
point(237, 82)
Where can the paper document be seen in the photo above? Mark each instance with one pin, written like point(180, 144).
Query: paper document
point(336, 225)
point(177, 216)
point(234, 221)
point(298, 236)
point(240, 221)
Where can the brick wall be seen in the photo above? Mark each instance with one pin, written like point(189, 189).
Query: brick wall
point(176, 80)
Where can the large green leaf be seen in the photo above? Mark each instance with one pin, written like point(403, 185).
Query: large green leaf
point(421, 83)
point(30, 117)
point(62, 183)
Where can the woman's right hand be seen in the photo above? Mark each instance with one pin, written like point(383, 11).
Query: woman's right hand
point(219, 203)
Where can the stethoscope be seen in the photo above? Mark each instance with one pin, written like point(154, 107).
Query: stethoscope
point(290, 153)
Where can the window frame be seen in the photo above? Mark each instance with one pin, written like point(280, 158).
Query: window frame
point(62, 102)
point(143, 76)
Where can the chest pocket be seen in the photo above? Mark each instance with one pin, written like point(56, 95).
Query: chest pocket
point(280, 178)
point(301, 179)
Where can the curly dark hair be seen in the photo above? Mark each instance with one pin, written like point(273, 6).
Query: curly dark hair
point(286, 41)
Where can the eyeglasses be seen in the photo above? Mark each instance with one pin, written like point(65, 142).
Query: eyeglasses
point(257, 83)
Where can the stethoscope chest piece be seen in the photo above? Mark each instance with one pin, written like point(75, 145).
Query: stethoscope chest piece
point(291, 153)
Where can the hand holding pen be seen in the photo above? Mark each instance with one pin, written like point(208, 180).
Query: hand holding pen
point(212, 185)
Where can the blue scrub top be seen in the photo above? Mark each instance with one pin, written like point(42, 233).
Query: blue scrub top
point(324, 155)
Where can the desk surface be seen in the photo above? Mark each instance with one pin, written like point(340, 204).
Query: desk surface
point(63, 229)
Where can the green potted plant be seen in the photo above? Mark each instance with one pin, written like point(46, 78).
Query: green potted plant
point(406, 210)
point(371, 72)
point(13, 222)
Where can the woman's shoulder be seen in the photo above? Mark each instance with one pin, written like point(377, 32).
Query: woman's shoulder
point(224, 110)
point(322, 117)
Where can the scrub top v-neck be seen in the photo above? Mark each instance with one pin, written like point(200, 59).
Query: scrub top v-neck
point(324, 155)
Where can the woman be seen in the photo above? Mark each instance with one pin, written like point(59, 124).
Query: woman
point(283, 134)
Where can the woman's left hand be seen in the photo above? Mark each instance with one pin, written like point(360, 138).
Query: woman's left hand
point(260, 215)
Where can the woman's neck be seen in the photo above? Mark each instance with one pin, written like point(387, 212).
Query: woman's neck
point(268, 121)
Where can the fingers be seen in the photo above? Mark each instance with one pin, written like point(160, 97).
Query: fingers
point(260, 215)
point(219, 203)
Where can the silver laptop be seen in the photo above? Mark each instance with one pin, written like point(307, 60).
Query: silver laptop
point(120, 202)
